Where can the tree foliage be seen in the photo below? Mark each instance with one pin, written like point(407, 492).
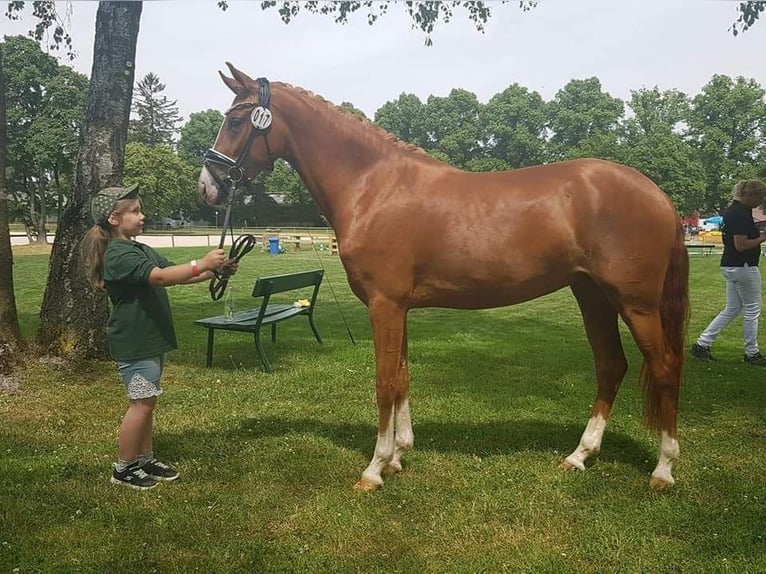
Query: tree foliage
point(653, 143)
point(726, 126)
point(424, 15)
point(583, 119)
point(285, 183)
point(48, 17)
point(404, 117)
point(514, 123)
point(45, 106)
point(156, 117)
point(749, 12)
point(349, 107)
point(198, 135)
point(167, 183)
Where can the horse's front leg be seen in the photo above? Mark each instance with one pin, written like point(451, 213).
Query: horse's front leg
point(388, 320)
point(403, 431)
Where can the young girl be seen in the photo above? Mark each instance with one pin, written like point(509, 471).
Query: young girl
point(140, 327)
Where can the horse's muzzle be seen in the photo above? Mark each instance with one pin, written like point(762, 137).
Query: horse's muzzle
point(209, 191)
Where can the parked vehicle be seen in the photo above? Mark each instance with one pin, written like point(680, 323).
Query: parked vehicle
point(167, 223)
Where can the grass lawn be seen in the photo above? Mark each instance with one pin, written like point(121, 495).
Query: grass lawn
point(499, 397)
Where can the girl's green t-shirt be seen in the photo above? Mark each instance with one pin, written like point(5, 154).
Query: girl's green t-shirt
point(141, 323)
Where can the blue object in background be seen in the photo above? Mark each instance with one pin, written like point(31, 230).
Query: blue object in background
point(273, 245)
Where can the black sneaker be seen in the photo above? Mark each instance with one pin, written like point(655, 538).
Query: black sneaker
point(756, 359)
point(158, 470)
point(134, 477)
point(701, 353)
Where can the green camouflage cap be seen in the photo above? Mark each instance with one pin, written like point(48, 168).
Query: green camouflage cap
point(102, 204)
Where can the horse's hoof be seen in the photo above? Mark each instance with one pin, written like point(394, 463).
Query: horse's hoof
point(367, 485)
point(659, 484)
point(391, 469)
point(566, 465)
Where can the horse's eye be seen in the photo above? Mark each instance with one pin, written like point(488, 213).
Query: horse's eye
point(235, 123)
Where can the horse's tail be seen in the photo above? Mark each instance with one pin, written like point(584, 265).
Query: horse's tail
point(674, 313)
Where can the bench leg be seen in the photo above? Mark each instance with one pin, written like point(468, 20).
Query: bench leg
point(314, 328)
point(210, 336)
point(261, 353)
point(273, 332)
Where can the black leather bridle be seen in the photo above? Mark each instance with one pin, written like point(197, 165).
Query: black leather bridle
point(236, 177)
point(260, 122)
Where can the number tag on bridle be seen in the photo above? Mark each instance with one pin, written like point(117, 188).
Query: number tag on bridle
point(261, 118)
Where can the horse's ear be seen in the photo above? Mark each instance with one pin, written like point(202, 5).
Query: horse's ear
point(244, 80)
point(233, 84)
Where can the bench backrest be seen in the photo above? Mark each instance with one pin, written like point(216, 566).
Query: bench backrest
point(267, 286)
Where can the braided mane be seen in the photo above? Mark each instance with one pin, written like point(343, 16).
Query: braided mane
point(367, 124)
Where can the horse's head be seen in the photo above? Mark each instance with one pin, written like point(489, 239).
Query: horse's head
point(245, 143)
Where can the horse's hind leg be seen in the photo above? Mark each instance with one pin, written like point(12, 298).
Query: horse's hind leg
point(600, 319)
point(388, 327)
point(661, 374)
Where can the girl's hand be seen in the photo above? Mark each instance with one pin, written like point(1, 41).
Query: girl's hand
point(230, 267)
point(213, 260)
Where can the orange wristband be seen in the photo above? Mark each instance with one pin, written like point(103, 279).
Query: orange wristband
point(195, 268)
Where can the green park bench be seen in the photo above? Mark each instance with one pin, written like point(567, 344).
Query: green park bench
point(251, 320)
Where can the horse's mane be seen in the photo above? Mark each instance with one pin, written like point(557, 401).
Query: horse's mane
point(367, 124)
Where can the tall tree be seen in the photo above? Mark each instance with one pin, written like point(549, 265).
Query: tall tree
point(166, 181)
point(73, 315)
point(584, 120)
point(45, 102)
point(654, 143)
point(514, 122)
point(156, 116)
point(452, 128)
point(726, 124)
point(29, 73)
point(198, 135)
point(57, 136)
point(404, 117)
point(653, 109)
point(10, 334)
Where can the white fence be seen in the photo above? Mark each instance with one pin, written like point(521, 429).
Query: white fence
point(151, 240)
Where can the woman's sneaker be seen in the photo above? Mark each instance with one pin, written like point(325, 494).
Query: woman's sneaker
point(133, 477)
point(701, 353)
point(756, 359)
point(158, 470)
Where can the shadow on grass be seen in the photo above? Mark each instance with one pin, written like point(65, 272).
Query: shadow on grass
point(479, 439)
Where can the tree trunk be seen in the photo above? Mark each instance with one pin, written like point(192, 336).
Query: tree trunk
point(42, 234)
point(73, 315)
point(10, 334)
point(59, 194)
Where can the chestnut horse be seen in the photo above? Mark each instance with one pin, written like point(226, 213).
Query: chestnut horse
point(415, 232)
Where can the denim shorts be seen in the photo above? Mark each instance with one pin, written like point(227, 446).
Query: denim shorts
point(142, 377)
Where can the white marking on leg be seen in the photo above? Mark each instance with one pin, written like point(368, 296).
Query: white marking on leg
point(590, 442)
point(669, 453)
point(384, 453)
point(404, 436)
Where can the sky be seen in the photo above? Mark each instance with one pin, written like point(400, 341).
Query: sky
point(626, 44)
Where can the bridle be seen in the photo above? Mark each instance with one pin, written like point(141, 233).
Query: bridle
point(260, 123)
point(236, 177)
